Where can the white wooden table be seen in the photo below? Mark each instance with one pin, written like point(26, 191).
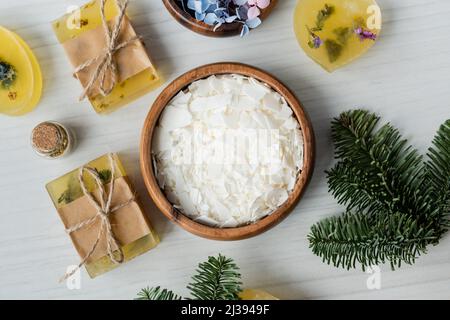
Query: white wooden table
point(405, 78)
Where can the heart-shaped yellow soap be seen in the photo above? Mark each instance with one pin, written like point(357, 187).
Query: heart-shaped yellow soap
point(336, 32)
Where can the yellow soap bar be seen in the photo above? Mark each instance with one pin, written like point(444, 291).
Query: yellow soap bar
point(22, 90)
point(255, 294)
point(38, 80)
point(66, 189)
point(88, 18)
point(336, 32)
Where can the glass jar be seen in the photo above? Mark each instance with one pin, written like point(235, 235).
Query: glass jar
point(51, 140)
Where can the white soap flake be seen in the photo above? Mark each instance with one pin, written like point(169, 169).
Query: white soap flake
point(290, 124)
point(173, 118)
point(286, 112)
point(216, 84)
point(202, 104)
point(255, 92)
point(181, 99)
point(227, 151)
point(271, 102)
point(161, 141)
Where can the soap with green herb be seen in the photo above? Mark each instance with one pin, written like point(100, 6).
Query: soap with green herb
point(130, 225)
point(336, 32)
point(20, 75)
point(81, 33)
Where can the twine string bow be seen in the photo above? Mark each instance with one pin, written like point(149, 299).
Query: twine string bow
point(107, 62)
point(104, 210)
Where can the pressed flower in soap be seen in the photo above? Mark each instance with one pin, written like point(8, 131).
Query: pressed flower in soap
point(83, 37)
point(336, 32)
point(20, 75)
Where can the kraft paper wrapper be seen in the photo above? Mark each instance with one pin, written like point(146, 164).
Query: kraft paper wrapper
point(128, 223)
point(130, 60)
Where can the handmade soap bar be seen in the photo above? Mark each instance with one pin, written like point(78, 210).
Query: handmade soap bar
point(255, 294)
point(129, 224)
point(20, 75)
point(84, 38)
point(336, 32)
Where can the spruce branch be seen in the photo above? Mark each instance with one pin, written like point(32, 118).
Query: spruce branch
point(216, 279)
point(396, 203)
point(157, 294)
point(355, 188)
point(369, 240)
point(438, 176)
point(392, 171)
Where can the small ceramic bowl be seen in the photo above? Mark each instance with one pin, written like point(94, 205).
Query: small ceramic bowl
point(157, 194)
point(226, 30)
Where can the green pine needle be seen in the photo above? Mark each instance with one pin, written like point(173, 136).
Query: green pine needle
point(369, 240)
point(216, 279)
point(390, 172)
point(438, 176)
point(157, 294)
point(396, 203)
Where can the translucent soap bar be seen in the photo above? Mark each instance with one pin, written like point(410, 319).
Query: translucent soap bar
point(20, 75)
point(66, 191)
point(72, 25)
point(336, 32)
point(255, 294)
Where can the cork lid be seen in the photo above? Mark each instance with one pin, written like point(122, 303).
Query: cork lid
point(49, 139)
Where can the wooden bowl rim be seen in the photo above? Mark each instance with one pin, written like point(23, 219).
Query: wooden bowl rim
point(226, 30)
point(146, 160)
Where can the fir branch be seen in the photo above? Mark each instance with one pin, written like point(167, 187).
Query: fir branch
point(392, 171)
point(216, 279)
point(353, 187)
point(438, 176)
point(369, 240)
point(157, 294)
point(396, 204)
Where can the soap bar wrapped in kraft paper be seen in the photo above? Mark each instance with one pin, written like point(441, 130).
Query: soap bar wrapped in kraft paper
point(101, 214)
point(108, 57)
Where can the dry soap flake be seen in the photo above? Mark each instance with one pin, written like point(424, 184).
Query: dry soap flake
point(228, 150)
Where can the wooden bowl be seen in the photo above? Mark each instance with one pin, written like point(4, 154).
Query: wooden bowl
point(226, 30)
point(147, 166)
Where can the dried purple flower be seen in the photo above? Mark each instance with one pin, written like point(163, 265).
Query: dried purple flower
point(365, 34)
point(317, 42)
point(314, 40)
